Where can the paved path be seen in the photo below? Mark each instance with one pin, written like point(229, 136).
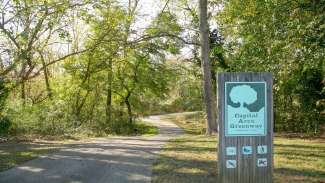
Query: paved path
point(106, 160)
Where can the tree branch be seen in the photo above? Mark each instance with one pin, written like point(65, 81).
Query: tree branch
point(57, 60)
point(9, 35)
point(163, 34)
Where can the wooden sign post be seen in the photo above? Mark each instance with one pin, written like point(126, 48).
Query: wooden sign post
point(245, 127)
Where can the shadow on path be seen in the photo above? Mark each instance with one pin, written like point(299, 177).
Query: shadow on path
point(113, 160)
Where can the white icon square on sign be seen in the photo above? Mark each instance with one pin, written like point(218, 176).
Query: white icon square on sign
point(247, 150)
point(262, 162)
point(231, 164)
point(262, 149)
point(231, 151)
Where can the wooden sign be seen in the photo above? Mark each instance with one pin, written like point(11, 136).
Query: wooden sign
point(245, 127)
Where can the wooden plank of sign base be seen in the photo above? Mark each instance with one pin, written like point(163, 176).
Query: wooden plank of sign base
point(246, 168)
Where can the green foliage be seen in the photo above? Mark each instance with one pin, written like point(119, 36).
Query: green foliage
point(165, 25)
point(5, 124)
point(44, 118)
point(86, 67)
point(4, 92)
point(189, 96)
point(137, 128)
point(285, 38)
point(104, 90)
point(185, 92)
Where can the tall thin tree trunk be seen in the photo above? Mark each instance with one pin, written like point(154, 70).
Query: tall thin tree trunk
point(128, 105)
point(109, 94)
point(46, 76)
point(216, 104)
point(23, 92)
point(47, 80)
point(94, 103)
point(211, 125)
point(80, 102)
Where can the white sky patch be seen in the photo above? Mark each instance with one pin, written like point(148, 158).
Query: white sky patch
point(147, 10)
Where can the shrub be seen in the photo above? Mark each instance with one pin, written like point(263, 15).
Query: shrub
point(5, 124)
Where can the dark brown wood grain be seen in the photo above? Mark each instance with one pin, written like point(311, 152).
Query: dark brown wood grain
point(246, 170)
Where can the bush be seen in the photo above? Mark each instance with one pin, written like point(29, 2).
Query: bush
point(48, 118)
point(5, 124)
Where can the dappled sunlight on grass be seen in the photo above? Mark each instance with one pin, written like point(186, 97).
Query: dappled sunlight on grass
point(187, 159)
point(192, 158)
point(298, 160)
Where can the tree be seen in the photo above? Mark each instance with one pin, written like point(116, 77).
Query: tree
point(126, 65)
point(265, 36)
point(191, 26)
point(206, 69)
point(27, 29)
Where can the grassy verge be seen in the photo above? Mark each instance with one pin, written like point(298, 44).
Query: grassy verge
point(191, 122)
point(145, 129)
point(192, 158)
point(16, 151)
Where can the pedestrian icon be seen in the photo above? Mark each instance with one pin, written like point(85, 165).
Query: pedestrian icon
point(231, 164)
point(247, 150)
point(231, 151)
point(262, 149)
point(262, 162)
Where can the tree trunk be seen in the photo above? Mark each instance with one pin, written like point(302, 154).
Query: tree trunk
point(47, 80)
point(23, 92)
point(109, 94)
point(128, 105)
point(79, 107)
point(211, 125)
point(216, 104)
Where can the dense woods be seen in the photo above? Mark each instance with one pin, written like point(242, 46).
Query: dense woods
point(287, 39)
point(73, 66)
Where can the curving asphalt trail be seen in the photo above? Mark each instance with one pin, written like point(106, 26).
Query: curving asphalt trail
point(105, 160)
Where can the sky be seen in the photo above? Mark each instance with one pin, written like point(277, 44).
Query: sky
point(147, 10)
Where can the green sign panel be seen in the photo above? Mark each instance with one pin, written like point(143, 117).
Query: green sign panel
point(245, 109)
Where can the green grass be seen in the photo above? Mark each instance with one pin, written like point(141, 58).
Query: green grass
point(192, 158)
point(145, 129)
point(299, 161)
point(191, 122)
point(188, 159)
